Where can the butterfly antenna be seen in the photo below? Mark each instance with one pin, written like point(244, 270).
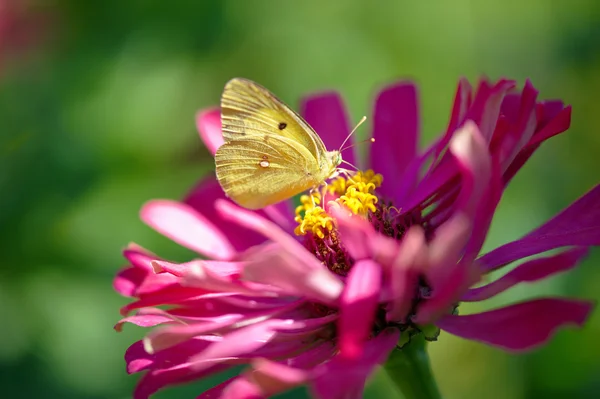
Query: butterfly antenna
point(364, 118)
point(372, 140)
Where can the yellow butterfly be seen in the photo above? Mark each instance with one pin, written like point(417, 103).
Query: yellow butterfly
point(270, 153)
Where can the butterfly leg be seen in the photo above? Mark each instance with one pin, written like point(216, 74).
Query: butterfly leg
point(346, 173)
point(323, 193)
point(312, 197)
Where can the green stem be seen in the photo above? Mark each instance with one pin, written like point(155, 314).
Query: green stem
point(410, 371)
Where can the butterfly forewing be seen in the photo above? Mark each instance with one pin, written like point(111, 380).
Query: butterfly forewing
point(255, 172)
point(249, 109)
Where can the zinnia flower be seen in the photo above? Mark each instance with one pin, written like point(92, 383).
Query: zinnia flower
point(322, 296)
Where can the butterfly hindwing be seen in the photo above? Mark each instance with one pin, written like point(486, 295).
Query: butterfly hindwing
point(258, 171)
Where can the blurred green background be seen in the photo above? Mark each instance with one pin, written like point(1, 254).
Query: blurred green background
point(97, 104)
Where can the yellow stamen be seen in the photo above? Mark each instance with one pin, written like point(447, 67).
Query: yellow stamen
point(356, 193)
point(315, 221)
point(338, 186)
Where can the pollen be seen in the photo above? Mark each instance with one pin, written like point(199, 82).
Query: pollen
point(316, 221)
point(356, 192)
point(311, 217)
point(359, 195)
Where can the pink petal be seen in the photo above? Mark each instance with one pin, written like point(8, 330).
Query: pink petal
point(203, 197)
point(216, 392)
point(166, 337)
point(273, 378)
point(208, 123)
point(531, 271)
point(358, 306)
point(519, 327)
point(282, 270)
point(484, 214)
point(144, 321)
point(405, 273)
point(327, 115)
point(155, 380)
point(241, 388)
point(460, 107)
point(201, 275)
point(239, 343)
point(354, 231)
point(270, 230)
point(449, 273)
point(556, 125)
point(486, 106)
point(282, 214)
point(470, 150)
point(396, 132)
point(154, 283)
point(187, 227)
point(578, 224)
point(342, 378)
point(139, 257)
point(127, 281)
point(168, 295)
point(462, 102)
point(137, 358)
point(553, 119)
point(520, 134)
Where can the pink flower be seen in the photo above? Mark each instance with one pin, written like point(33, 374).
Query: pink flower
point(323, 301)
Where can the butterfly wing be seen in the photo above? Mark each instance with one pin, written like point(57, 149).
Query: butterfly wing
point(249, 109)
point(256, 171)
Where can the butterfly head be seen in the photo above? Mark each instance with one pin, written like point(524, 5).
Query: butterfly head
point(334, 159)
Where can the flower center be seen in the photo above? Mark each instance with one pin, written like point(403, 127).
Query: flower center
point(358, 194)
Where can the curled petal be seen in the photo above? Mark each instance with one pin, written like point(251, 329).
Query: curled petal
point(518, 327)
point(148, 320)
point(241, 388)
point(343, 378)
point(405, 273)
point(577, 225)
point(360, 238)
point(184, 225)
point(558, 124)
point(154, 380)
point(282, 270)
point(470, 150)
point(516, 137)
point(358, 306)
point(355, 232)
point(531, 271)
point(239, 343)
point(486, 105)
point(166, 337)
point(268, 229)
point(139, 257)
point(273, 378)
point(127, 281)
